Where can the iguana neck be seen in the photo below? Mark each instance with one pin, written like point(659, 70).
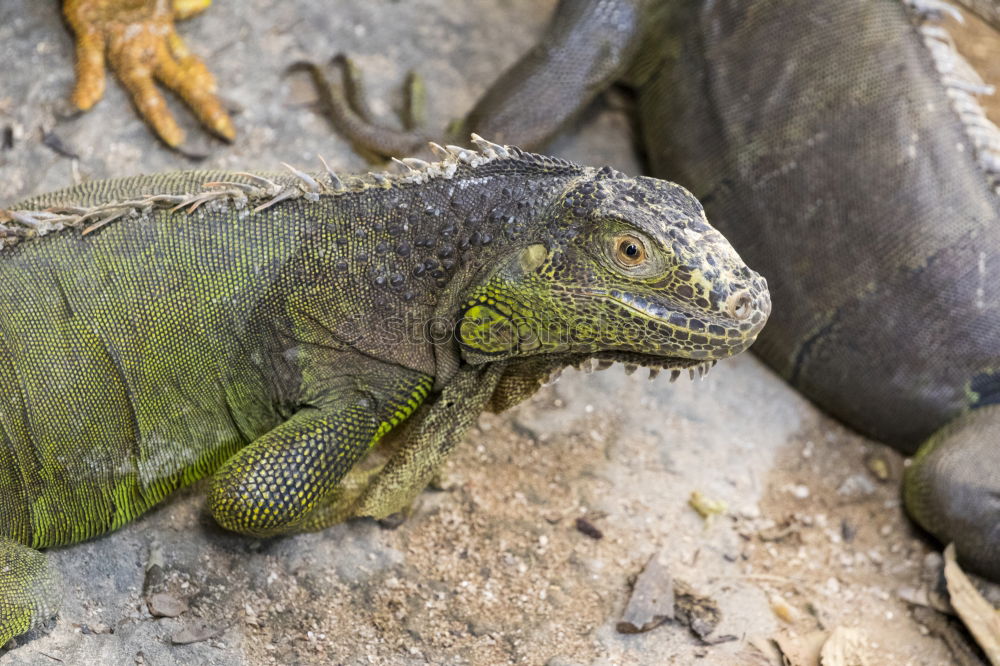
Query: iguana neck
point(409, 252)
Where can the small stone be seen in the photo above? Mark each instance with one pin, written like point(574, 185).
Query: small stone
point(847, 531)
point(96, 628)
point(856, 485)
point(652, 600)
point(479, 628)
point(705, 506)
point(700, 613)
point(163, 604)
point(586, 527)
point(879, 467)
point(195, 633)
point(785, 611)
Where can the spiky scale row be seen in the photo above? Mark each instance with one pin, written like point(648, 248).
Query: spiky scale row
point(598, 364)
point(962, 84)
point(260, 192)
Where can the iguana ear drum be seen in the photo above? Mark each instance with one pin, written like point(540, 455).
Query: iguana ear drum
point(533, 256)
point(740, 305)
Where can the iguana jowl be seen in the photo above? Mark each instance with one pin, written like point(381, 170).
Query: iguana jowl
point(270, 329)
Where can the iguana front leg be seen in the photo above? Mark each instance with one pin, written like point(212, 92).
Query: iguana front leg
point(274, 485)
point(434, 432)
point(440, 428)
point(952, 488)
point(138, 38)
point(29, 589)
point(431, 435)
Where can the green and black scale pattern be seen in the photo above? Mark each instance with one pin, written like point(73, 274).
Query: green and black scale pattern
point(268, 330)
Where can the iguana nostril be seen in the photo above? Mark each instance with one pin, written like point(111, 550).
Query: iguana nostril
point(740, 305)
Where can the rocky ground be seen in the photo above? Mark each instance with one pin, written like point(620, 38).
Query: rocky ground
point(550, 512)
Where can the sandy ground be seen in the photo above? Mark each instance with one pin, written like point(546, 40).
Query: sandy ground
point(495, 568)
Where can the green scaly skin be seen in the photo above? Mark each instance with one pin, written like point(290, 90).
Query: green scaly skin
point(268, 330)
point(840, 180)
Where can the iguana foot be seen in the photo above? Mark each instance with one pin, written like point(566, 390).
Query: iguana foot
point(587, 46)
point(346, 103)
point(953, 488)
point(438, 429)
point(138, 38)
point(29, 589)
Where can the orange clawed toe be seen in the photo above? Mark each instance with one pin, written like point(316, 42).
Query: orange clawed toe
point(139, 42)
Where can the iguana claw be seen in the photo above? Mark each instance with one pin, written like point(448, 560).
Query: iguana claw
point(138, 38)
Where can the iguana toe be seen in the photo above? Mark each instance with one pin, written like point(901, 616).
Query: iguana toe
point(953, 488)
point(184, 9)
point(138, 40)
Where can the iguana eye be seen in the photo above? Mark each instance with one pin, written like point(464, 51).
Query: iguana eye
point(630, 251)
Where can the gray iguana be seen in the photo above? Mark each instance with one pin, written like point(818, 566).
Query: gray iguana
point(841, 147)
point(270, 329)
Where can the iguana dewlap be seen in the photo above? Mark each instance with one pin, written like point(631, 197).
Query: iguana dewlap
point(269, 329)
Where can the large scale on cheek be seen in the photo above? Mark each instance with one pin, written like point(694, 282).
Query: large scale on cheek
point(486, 330)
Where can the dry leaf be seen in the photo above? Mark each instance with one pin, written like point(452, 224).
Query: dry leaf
point(978, 615)
point(845, 647)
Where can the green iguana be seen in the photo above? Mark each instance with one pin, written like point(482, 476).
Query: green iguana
point(841, 148)
point(269, 329)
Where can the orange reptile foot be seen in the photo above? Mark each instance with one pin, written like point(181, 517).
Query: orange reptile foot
point(137, 38)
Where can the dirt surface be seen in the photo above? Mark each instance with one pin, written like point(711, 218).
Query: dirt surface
point(497, 568)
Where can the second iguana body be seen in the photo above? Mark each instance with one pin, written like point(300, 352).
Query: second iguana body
point(269, 329)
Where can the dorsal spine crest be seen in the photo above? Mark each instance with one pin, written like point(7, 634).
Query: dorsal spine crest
point(259, 192)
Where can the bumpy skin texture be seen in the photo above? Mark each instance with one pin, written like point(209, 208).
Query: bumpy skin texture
point(825, 146)
point(138, 41)
point(269, 330)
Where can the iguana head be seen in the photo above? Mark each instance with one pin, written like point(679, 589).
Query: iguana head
point(622, 269)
